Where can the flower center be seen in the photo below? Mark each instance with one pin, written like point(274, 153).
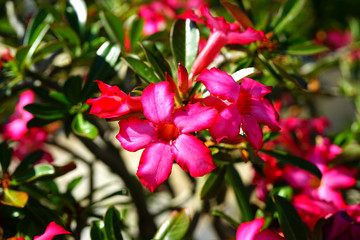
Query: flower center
point(167, 132)
point(315, 182)
point(244, 102)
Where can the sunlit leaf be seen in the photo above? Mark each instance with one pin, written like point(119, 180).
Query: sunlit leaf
point(28, 162)
point(174, 227)
point(135, 32)
point(113, 224)
point(143, 70)
point(34, 173)
point(73, 184)
point(288, 12)
point(114, 27)
point(97, 230)
point(307, 48)
point(76, 14)
point(14, 198)
point(83, 127)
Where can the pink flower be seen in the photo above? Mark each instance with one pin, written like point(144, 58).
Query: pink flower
point(340, 226)
point(222, 33)
point(51, 231)
point(239, 106)
point(114, 103)
point(251, 231)
point(166, 137)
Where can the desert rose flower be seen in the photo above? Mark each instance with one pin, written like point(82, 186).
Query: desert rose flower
point(222, 33)
point(114, 103)
point(239, 106)
point(341, 226)
point(251, 231)
point(166, 137)
point(51, 231)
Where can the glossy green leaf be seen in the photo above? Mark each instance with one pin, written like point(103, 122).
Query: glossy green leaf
point(234, 179)
point(68, 35)
point(294, 160)
point(46, 111)
point(21, 55)
point(28, 162)
point(32, 31)
point(135, 32)
point(34, 173)
point(213, 183)
point(76, 14)
point(184, 42)
point(38, 122)
point(102, 67)
point(141, 69)
point(14, 198)
point(5, 156)
point(156, 59)
point(50, 8)
point(307, 48)
point(113, 224)
point(38, 36)
point(291, 224)
point(97, 230)
point(83, 128)
point(72, 89)
point(73, 184)
point(287, 13)
point(174, 227)
point(113, 27)
point(47, 48)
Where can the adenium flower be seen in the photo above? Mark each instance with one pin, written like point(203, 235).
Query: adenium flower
point(114, 103)
point(51, 231)
point(341, 226)
point(222, 33)
point(251, 231)
point(239, 106)
point(166, 137)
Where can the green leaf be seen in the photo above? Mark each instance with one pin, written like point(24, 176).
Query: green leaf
point(156, 59)
point(83, 128)
point(218, 213)
point(69, 36)
point(307, 48)
point(290, 221)
point(76, 14)
point(73, 184)
point(102, 67)
point(184, 42)
point(51, 9)
point(28, 161)
point(97, 230)
point(47, 48)
point(174, 227)
point(46, 111)
point(238, 14)
point(34, 173)
point(72, 89)
point(21, 54)
point(287, 14)
point(141, 69)
point(135, 32)
point(113, 224)
point(5, 156)
point(294, 160)
point(32, 30)
point(234, 179)
point(38, 122)
point(213, 183)
point(113, 27)
point(14, 198)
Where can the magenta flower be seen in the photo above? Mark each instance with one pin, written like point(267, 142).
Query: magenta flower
point(166, 137)
point(222, 33)
point(341, 226)
point(114, 103)
point(51, 231)
point(251, 231)
point(239, 106)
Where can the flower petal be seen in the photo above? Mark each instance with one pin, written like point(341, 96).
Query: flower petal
point(254, 88)
point(192, 155)
point(265, 113)
point(194, 117)
point(248, 36)
point(135, 133)
point(267, 234)
point(220, 84)
point(214, 23)
point(253, 131)
point(158, 102)
point(248, 230)
point(155, 165)
point(340, 177)
point(227, 124)
point(52, 230)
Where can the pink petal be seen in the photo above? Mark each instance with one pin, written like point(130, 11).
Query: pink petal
point(52, 230)
point(340, 177)
point(190, 14)
point(297, 177)
point(248, 230)
point(253, 131)
point(214, 23)
point(212, 101)
point(265, 113)
point(135, 133)
point(254, 88)
point(155, 165)
point(192, 155)
point(267, 234)
point(220, 84)
point(227, 124)
point(158, 102)
point(249, 36)
point(328, 194)
point(194, 117)
point(183, 79)
point(215, 42)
